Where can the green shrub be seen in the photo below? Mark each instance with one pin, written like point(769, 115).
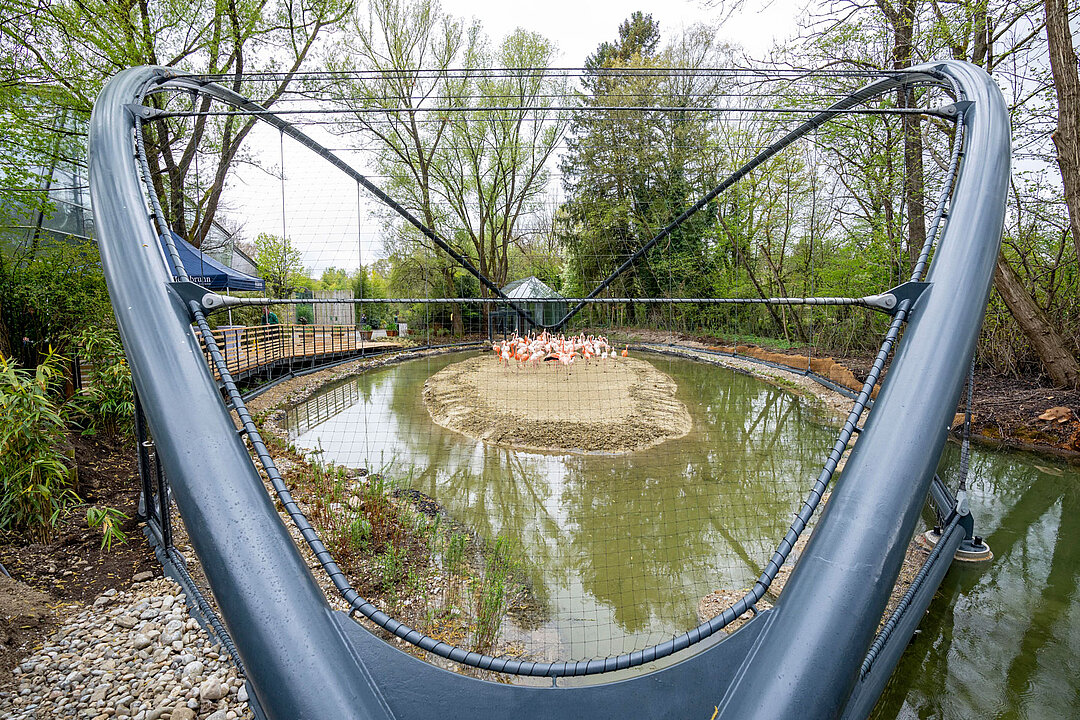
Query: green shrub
point(392, 563)
point(106, 403)
point(33, 470)
point(108, 519)
point(48, 294)
point(360, 533)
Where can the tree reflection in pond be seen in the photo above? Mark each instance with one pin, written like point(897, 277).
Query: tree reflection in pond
point(620, 547)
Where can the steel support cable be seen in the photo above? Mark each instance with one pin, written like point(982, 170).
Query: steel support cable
point(731, 109)
point(213, 90)
point(252, 432)
point(905, 601)
point(585, 667)
point(758, 74)
point(155, 204)
point(195, 594)
point(859, 96)
point(364, 607)
point(850, 423)
point(965, 443)
point(945, 195)
point(951, 527)
point(753, 682)
point(234, 301)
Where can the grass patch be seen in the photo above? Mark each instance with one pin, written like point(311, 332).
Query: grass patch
point(431, 574)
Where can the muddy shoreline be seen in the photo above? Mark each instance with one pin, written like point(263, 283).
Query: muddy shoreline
point(1015, 413)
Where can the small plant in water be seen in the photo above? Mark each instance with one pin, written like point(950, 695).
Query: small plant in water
point(491, 594)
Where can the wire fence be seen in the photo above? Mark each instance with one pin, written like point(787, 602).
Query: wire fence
point(587, 491)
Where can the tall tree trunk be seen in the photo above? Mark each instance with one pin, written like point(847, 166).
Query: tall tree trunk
point(457, 324)
point(903, 51)
point(1056, 357)
point(914, 186)
point(1067, 85)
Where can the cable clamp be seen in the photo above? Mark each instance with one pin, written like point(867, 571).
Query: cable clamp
point(954, 110)
point(889, 301)
point(188, 292)
point(143, 111)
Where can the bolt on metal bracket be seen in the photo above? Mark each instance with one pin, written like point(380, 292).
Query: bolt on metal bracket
point(189, 291)
point(954, 109)
point(888, 301)
point(143, 111)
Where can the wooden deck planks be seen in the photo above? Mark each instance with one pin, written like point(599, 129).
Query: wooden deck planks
point(247, 349)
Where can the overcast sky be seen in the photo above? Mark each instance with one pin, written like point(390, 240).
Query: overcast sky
point(323, 215)
point(579, 27)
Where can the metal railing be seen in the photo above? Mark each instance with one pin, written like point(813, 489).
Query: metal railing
point(248, 350)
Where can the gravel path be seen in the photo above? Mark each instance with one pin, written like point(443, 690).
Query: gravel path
point(135, 654)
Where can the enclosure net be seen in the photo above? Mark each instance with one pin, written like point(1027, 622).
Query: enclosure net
point(537, 447)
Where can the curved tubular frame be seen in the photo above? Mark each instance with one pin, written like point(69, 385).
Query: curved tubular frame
point(305, 660)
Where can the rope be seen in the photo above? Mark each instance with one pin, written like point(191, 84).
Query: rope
point(905, 602)
point(155, 204)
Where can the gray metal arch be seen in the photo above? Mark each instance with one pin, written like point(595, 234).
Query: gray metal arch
point(304, 660)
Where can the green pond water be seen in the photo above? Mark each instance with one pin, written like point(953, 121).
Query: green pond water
point(622, 547)
point(1002, 639)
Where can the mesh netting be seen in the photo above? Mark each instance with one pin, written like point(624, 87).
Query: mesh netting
point(518, 464)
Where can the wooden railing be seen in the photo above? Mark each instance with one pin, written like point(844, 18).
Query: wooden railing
point(248, 349)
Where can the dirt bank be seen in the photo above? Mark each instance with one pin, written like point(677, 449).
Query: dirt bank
point(613, 406)
point(1023, 413)
point(72, 567)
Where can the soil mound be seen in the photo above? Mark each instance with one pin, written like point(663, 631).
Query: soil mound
point(613, 406)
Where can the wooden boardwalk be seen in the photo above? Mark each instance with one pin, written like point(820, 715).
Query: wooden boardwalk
point(250, 350)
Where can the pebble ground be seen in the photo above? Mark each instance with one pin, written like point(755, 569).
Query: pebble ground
point(135, 654)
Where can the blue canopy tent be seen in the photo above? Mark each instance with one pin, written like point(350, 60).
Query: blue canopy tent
point(206, 271)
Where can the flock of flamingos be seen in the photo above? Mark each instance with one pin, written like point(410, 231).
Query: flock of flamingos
point(531, 350)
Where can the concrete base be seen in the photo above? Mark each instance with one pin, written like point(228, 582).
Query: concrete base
point(967, 552)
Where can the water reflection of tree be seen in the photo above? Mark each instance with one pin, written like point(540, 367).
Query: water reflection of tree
point(639, 537)
point(995, 621)
point(652, 537)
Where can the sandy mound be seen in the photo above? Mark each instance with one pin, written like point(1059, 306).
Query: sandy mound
point(610, 407)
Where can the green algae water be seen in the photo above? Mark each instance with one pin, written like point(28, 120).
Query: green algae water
point(623, 547)
point(620, 548)
point(1002, 639)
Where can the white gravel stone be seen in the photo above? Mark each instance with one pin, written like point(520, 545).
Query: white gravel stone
point(132, 655)
point(212, 689)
